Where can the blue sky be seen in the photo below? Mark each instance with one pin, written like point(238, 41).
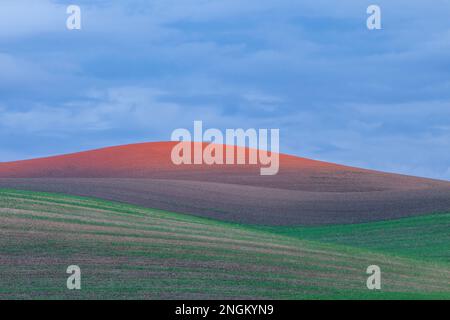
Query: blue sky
point(140, 69)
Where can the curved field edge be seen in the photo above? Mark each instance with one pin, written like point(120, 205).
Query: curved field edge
point(423, 238)
point(128, 252)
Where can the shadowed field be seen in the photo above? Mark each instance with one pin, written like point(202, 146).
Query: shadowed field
point(126, 251)
point(305, 192)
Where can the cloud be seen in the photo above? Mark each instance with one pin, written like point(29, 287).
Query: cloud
point(21, 18)
point(139, 69)
point(137, 109)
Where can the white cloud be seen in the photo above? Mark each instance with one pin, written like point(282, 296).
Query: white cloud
point(28, 17)
point(127, 108)
point(338, 93)
point(15, 71)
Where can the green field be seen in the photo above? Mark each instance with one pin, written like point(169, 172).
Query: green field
point(422, 238)
point(129, 252)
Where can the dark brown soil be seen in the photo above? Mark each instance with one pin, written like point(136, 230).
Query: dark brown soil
point(305, 192)
point(250, 204)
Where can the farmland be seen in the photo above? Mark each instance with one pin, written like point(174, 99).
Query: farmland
point(131, 252)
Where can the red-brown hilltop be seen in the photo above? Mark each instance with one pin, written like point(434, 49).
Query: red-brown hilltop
point(140, 160)
point(153, 160)
point(133, 160)
point(304, 192)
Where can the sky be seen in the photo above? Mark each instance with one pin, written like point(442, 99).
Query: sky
point(138, 70)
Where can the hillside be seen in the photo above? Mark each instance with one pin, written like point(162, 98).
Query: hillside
point(305, 192)
point(130, 252)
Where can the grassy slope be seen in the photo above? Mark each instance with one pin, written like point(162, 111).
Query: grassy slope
point(131, 252)
point(422, 238)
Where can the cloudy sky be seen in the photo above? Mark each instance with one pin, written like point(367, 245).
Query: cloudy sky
point(139, 69)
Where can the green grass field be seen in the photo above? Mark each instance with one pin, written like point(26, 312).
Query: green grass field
point(128, 252)
point(422, 238)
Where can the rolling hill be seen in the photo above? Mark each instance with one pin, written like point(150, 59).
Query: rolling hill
point(305, 192)
point(130, 252)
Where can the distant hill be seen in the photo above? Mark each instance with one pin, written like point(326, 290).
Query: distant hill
point(305, 192)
